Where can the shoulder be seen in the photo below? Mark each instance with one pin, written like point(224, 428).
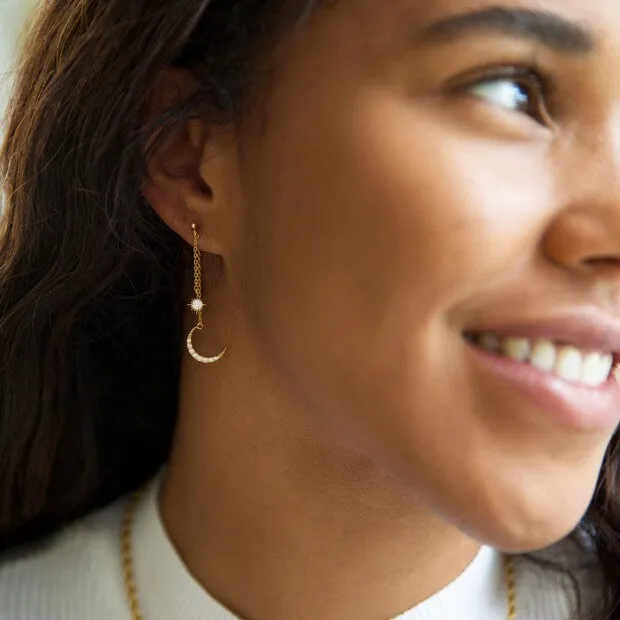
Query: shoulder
point(74, 575)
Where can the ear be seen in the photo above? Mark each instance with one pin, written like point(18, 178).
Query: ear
point(186, 172)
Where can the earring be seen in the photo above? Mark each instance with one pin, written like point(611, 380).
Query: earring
point(197, 305)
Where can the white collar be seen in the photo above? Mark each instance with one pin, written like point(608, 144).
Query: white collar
point(166, 588)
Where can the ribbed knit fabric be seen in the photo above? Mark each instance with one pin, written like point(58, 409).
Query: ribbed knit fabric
point(77, 575)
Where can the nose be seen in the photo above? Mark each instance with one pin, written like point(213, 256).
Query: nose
point(584, 234)
point(585, 240)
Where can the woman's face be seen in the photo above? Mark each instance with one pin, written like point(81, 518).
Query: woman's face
point(426, 175)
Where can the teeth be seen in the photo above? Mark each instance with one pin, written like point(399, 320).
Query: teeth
point(607, 363)
point(596, 369)
point(567, 362)
point(592, 369)
point(490, 343)
point(544, 356)
point(518, 349)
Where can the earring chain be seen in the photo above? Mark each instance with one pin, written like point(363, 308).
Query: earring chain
point(197, 276)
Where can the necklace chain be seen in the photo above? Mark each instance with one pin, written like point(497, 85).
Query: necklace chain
point(132, 591)
point(127, 558)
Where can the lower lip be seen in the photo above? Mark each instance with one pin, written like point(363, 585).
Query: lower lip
point(567, 404)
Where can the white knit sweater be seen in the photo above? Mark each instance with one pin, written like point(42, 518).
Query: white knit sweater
point(77, 575)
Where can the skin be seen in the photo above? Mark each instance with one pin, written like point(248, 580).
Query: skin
point(347, 458)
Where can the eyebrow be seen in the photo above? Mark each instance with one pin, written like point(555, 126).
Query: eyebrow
point(549, 29)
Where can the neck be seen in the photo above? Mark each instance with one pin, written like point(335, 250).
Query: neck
point(256, 495)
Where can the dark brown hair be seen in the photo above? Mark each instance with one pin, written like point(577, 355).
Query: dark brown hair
point(90, 321)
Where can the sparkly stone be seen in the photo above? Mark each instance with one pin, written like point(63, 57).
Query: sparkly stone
point(197, 305)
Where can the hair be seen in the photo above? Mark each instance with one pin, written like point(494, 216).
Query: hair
point(88, 395)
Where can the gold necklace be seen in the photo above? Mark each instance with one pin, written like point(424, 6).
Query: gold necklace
point(132, 591)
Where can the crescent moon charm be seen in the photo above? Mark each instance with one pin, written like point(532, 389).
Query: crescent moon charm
point(201, 358)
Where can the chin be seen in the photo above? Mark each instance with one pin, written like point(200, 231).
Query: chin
point(529, 535)
point(525, 520)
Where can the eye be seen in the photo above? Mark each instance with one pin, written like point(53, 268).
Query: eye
point(516, 90)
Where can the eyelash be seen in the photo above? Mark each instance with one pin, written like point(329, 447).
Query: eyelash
point(529, 79)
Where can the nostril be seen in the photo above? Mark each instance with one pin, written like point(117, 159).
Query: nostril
point(604, 261)
point(605, 265)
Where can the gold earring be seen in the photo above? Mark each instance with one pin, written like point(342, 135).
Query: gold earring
point(197, 305)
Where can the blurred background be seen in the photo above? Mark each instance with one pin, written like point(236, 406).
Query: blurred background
point(13, 15)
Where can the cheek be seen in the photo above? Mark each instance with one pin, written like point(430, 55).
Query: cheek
point(366, 228)
point(385, 209)
point(455, 210)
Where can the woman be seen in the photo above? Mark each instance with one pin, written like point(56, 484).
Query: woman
point(334, 288)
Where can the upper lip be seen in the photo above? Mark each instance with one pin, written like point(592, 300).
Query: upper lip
point(587, 330)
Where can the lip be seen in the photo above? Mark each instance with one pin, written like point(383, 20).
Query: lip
point(588, 330)
point(564, 404)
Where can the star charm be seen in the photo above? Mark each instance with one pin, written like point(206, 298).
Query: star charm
point(197, 305)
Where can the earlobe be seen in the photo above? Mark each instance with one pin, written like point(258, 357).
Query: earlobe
point(178, 207)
